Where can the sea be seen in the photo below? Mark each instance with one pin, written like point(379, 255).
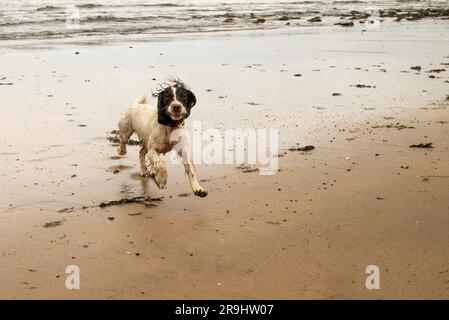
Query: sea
point(120, 19)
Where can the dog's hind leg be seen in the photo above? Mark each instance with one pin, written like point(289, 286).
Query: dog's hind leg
point(125, 130)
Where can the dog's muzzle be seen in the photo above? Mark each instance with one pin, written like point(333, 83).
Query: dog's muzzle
point(176, 111)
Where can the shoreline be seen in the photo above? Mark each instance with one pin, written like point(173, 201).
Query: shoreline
point(73, 20)
point(18, 45)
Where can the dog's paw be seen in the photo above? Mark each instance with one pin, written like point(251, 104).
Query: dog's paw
point(121, 151)
point(200, 193)
point(145, 174)
point(160, 178)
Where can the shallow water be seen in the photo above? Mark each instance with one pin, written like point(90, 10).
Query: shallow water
point(117, 20)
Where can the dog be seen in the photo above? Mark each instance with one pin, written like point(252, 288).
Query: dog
point(154, 126)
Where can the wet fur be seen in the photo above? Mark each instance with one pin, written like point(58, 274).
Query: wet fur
point(154, 125)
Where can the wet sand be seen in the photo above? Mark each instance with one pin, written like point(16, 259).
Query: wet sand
point(362, 197)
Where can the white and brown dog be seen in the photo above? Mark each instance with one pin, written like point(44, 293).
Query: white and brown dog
point(154, 126)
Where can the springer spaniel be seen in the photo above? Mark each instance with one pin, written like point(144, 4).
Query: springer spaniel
point(154, 126)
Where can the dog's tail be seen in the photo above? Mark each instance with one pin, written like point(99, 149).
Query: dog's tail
point(141, 99)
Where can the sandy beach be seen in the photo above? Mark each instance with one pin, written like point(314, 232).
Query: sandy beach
point(362, 197)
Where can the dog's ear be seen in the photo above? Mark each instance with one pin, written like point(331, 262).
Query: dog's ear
point(162, 116)
point(160, 100)
point(191, 99)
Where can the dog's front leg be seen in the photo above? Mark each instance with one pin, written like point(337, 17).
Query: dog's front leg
point(158, 169)
point(143, 164)
point(197, 189)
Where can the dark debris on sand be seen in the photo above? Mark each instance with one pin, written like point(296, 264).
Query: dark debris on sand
point(145, 200)
point(52, 224)
point(422, 145)
point(395, 126)
point(306, 148)
point(345, 24)
point(360, 86)
point(245, 168)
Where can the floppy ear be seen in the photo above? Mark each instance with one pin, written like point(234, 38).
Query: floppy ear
point(159, 100)
point(162, 117)
point(191, 99)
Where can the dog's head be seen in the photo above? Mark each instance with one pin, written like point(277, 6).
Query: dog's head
point(174, 104)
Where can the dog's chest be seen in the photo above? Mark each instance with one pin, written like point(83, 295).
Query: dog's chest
point(164, 147)
point(162, 142)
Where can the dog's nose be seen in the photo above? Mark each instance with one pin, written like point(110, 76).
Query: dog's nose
point(176, 108)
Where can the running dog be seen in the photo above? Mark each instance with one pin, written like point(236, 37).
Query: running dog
point(154, 126)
